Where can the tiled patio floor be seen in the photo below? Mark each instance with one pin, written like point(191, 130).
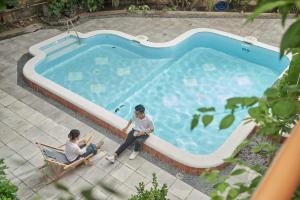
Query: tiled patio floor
point(26, 118)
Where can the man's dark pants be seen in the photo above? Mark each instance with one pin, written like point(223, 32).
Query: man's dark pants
point(137, 141)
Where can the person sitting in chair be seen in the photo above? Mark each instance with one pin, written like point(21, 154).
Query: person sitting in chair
point(143, 126)
point(75, 149)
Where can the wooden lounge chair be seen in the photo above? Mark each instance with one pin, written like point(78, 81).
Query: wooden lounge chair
point(56, 159)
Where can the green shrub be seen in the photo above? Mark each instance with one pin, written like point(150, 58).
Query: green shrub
point(135, 9)
point(155, 192)
point(93, 5)
point(56, 7)
point(8, 191)
point(11, 3)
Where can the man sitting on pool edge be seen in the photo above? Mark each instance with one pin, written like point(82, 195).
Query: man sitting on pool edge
point(143, 126)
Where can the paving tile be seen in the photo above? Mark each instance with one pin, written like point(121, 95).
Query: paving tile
point(29, 151)
point(6, 133)
point(135, 178)
point(59, 132)
point(181, 189)
point(6, 152)
point(99, 193)
point(37, 160)
point(197, 195)
point(121, 172)
point(124, 192)
point(93, 174)
point(49, 192)
point(14, 161)
point(47, 125)
point(7, 100)
point(29, 99)
point(36, 118)
point(21, 109)
point(5, 113)
point(171, 196)
point(24, 170)
point(79, 185)
point(147, 169)
point(109, 145)
point(69, 178)
point(133, 164)
point(17, 143)
point(35, 180)
point(44, 107)
point(112, 182)
point(33, 134)
point(164, 177)
point(17, 123)
point(24, 192)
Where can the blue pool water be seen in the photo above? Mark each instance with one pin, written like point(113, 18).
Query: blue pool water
point(203, 70)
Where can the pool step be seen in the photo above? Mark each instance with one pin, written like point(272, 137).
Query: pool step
point(59, 44)
point(62, 51)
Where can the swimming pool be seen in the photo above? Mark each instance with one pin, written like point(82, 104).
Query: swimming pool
point(201, 67)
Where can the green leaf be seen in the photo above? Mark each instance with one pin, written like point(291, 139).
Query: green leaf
point(2, 5)
point(195, 121)
point(254, 112)
point(233, 193)
point(284, 108)
point(226, 121)
point(256, 149)
point(206, 109)
point(290, 38)
point(272, 93)
point(221, 187)
point(254, 183)
point(207, 119)
point(266, 7)
point(250, 101)
point(237, 172)
point(231, 160)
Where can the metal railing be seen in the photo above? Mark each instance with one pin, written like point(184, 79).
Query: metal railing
point(70, 23)
point(283, 176)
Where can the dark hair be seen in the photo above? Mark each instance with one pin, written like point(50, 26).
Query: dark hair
point(140, 108)
point(74, 133)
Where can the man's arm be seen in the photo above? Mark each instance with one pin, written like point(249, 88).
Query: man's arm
point(127, 126)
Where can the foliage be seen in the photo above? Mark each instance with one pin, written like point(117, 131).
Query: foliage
point(2, 5)
point(154, 193)
point(183, 4)
point(275, 113)
point(210, 5)
point(8, 191)
point(297, 194)
point(93, 5)
point(135, 9)
point(56, 8)
point(11, 3)
point(115, 3)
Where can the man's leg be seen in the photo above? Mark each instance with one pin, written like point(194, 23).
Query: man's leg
point(129, 140)
point(139, 141)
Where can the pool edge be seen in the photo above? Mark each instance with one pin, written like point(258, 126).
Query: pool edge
point(155, 146)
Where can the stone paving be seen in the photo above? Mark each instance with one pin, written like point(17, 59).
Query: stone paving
point(25, 117)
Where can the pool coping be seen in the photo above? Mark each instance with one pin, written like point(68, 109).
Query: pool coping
point(157, 147)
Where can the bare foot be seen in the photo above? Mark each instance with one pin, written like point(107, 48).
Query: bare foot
point(99, 145)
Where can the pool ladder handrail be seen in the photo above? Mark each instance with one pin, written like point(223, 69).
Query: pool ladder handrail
point(69, 22)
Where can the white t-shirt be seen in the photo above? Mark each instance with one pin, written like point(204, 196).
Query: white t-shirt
point(72, 151)
point(142, 124)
